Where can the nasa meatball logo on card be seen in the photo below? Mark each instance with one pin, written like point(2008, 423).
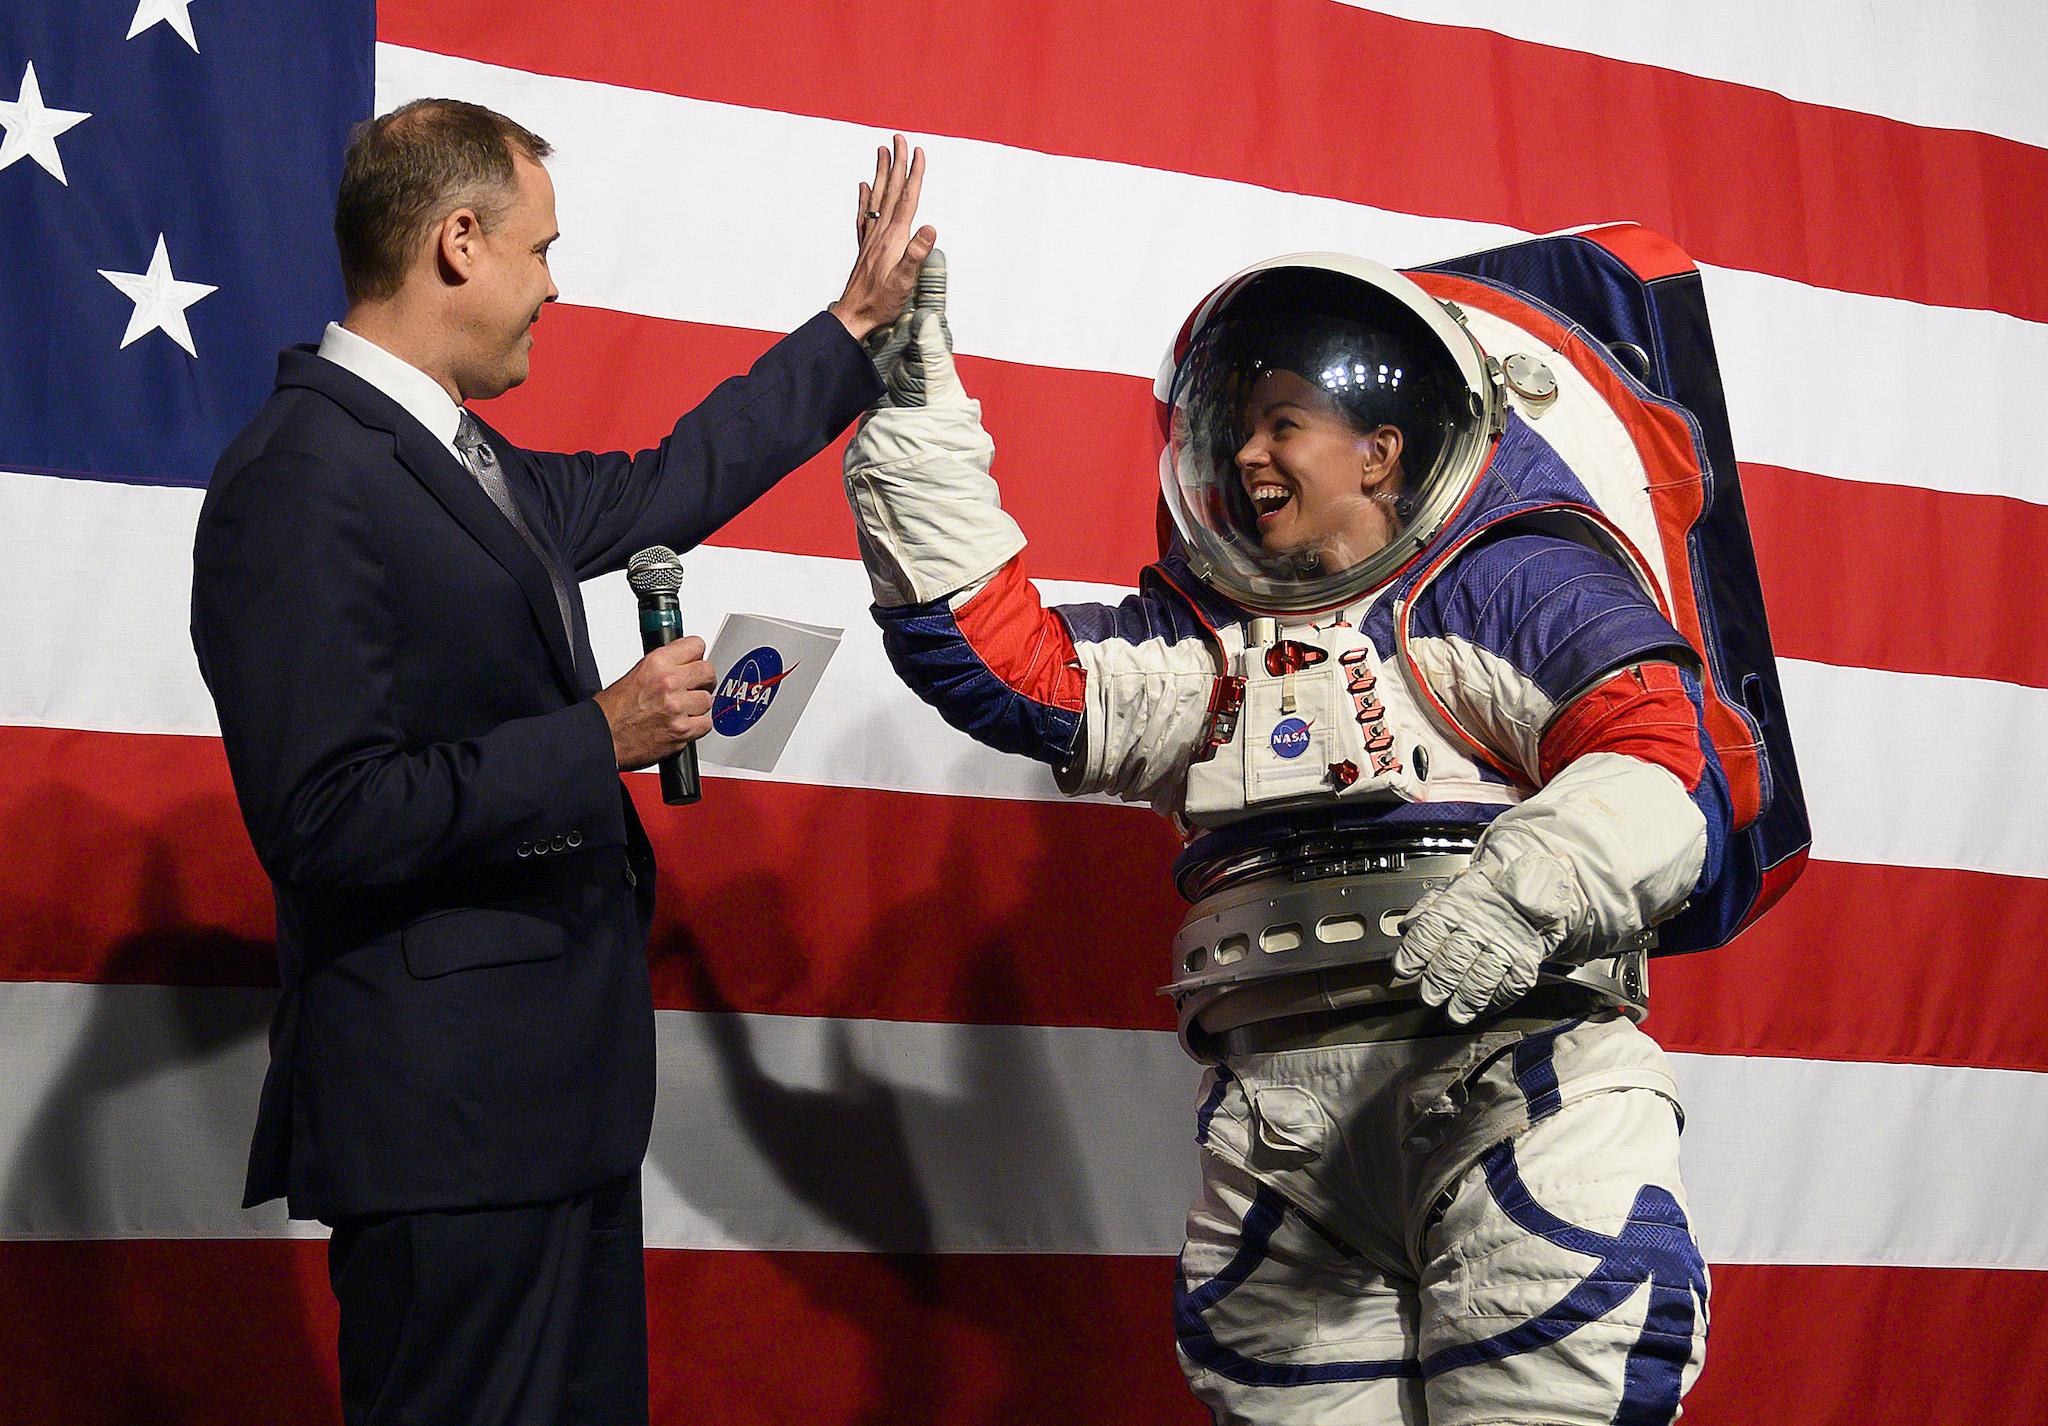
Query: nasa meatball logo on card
point(748, 690)
point(1290, 737)
point(767, 671)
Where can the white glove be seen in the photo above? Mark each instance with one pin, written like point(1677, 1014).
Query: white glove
point(929, 519)
point(900, 352)
point(1612, 845)
point(1479, 942)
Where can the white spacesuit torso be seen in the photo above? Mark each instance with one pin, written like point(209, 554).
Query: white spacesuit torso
point(1322, 717)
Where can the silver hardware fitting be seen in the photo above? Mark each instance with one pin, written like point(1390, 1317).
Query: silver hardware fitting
point(1294, 922)
point(1270, 927)
point(1531, 380)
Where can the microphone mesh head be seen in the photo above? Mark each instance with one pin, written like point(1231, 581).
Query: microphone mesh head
point(655, 570)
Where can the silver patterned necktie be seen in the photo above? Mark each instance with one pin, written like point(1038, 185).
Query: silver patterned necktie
point(482, 462)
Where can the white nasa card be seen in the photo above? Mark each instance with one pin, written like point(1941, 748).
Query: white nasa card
point(767, 671)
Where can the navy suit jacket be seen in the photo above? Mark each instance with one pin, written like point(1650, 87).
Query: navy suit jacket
point(463, 889)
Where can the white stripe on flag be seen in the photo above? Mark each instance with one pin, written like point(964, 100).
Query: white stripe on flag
point(1076, 263)
point(1959, 66)
point(96, 579)
point(1891, 1165)
point(1914, 769)
point(1895, 765)
point(131, 1106)
point(104, 574)
point(1891, 762)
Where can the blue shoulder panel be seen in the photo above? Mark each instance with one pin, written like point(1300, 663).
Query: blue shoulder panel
point(1139, 619)
point(1560, 613)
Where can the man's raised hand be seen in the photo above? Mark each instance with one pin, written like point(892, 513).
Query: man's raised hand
point(885, 269)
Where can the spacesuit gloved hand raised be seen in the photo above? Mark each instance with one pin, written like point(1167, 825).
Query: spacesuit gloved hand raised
point(928, 518)
point(901, 352)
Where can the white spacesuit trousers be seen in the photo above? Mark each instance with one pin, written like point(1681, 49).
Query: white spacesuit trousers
point(1457, 1230)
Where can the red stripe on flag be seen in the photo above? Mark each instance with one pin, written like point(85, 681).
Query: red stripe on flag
point(801, 900)
point(1835, 1345)
point(1899, 577)
point(206, 1333)
point(778, 898)
point(739, 1339)
point(130, 863)
point(1910, 965)
point(1367, 106)
point(225, 1332)
point(1874, 576)
point(241, 1333)
point(619, 381)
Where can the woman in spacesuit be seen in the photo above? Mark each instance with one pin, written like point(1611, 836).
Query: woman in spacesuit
point(1439, 759)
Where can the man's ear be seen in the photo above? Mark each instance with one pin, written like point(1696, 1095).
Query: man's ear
point(457, 241)
point(1379, 451)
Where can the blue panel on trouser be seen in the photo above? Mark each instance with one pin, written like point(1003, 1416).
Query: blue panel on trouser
point(1655, 1246)
point(1199, 1342)
point(1536, 1070)
point(1212, 1104)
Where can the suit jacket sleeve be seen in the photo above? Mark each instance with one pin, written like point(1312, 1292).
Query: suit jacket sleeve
point(747, 434)
point(297, 641)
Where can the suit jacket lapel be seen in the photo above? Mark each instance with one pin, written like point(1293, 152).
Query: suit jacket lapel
point(453, 485)
point(450, 482)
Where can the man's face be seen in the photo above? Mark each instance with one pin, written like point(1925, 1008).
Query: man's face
point(1316, 482)
point(510, 284)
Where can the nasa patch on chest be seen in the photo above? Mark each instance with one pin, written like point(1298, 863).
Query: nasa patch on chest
point(1320, 721)
point(1291, 734)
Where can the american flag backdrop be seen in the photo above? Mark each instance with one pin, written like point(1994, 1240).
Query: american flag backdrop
point(924, 1138)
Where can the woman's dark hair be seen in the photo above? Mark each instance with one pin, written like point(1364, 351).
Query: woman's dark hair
point(1376, 360)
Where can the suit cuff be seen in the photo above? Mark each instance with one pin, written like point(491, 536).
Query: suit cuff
point(828, 335)
point(590, 814)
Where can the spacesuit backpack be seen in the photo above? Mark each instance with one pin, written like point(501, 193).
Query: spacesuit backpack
point(1621, 309)
point(1571, 388)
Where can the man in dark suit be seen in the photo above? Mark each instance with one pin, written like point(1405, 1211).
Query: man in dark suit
point(385, 607)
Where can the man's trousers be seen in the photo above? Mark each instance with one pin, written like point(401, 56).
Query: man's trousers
point(526, 1316)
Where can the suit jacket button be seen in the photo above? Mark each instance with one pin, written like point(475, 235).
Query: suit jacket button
point(540, 849)
point(575, 839)
point(526, 849)
point(558, 844)
point(631, 879)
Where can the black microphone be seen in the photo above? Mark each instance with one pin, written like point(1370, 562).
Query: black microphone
point(656, 574)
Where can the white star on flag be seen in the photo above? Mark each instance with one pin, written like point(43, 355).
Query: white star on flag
point(175, 13)
point(32, 129)
point(160, 299)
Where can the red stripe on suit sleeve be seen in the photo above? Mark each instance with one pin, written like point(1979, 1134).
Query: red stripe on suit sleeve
point(1022, 642)
point(1642, 711)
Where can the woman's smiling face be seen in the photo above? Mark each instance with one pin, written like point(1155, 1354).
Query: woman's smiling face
point(1316, 482)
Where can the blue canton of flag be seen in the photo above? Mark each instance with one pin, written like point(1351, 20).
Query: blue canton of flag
point(167, 177)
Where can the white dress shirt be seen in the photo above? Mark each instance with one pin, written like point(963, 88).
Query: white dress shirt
point(419, 395)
